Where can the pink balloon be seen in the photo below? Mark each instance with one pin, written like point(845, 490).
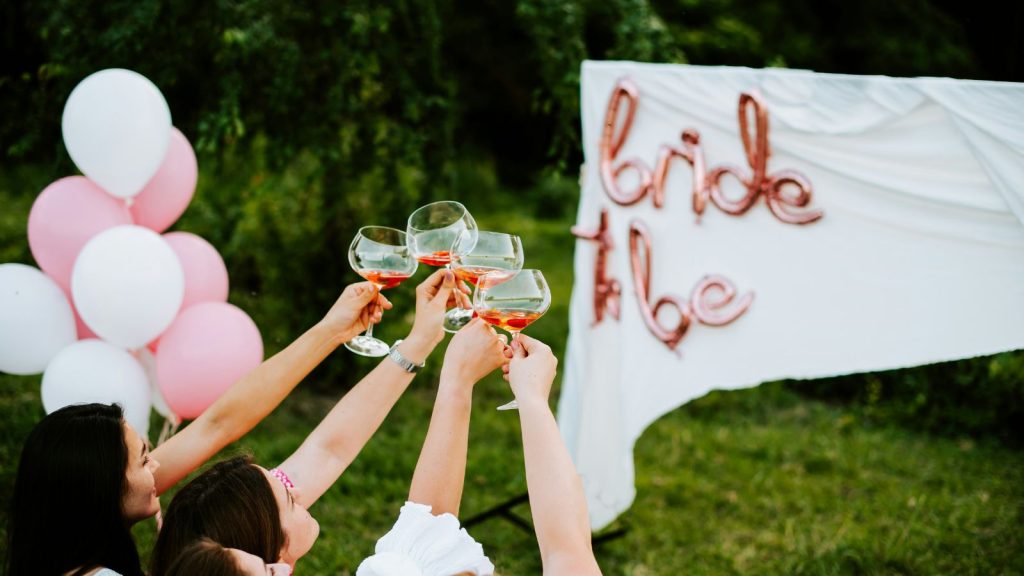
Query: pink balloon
point(207, 348)
point(206, 276)
point(84, 333)
point(66, 215)
point(168, 193)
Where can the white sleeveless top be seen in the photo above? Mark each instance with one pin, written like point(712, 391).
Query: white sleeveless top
point(422, 544)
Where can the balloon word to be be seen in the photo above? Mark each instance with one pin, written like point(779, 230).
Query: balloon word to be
point(712, 301)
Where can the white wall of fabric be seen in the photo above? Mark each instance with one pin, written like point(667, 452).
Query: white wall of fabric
point(919, 256)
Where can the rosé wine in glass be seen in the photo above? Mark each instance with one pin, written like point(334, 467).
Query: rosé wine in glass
point(382, 256)
point(512, 304)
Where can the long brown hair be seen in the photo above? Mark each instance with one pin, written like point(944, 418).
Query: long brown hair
point(232, 504)
point(204, 557)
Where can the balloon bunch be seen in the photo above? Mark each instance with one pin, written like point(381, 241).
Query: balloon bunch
point(119, 311)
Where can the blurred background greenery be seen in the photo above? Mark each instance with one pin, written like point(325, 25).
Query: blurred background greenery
point(313, 118)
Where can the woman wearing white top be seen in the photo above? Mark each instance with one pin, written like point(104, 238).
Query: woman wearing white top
point(238, 504)
point(422, 544)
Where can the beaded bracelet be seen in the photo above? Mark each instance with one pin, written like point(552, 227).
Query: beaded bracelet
point(280, 475)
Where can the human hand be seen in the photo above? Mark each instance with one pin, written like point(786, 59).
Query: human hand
point(475, 351)
point(432, 297)
point(532, 369)
point(359, 305)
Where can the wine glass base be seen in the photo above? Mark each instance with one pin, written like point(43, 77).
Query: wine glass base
point(368, 346)
point(513, 405)
point(456, 318)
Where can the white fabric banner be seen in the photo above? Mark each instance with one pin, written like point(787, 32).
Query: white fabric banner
point(918, 255)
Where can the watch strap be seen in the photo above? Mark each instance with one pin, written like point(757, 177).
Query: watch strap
point(403, 362)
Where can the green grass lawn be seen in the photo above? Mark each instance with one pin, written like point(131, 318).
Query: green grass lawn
point(760, 481)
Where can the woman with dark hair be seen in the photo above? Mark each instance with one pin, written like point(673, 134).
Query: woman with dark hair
point(98, 535)
point(86, 476)
point(265, 512)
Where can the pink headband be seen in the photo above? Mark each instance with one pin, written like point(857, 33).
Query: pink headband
point(280, 475)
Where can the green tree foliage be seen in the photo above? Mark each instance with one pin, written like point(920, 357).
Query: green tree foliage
point(364, 84)
point(315, 117)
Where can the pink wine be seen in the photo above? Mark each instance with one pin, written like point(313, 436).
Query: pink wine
point(384, 279)
point(439, 258)
point(509, 320)
point(472, 274)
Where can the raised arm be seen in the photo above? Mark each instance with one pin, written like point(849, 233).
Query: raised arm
point(257, 393)
point(556, 494)
point(341, 435)
point(474, 352)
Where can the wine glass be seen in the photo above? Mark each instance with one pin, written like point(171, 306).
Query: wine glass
point(438, 231)
point(512, 304)
point(496, 255)
point(382, 256)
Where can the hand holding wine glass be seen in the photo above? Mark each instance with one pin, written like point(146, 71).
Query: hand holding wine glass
point(474, 352)
point(433, 296)
point(532, 369)
point(358, 306)
point(512, 304)
point(382, 256)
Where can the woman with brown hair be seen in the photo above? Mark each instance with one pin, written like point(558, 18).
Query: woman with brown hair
point(205, 557)
point(426, 540)
point(265, 512)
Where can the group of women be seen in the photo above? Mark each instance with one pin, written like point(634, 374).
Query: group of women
point(85, 476)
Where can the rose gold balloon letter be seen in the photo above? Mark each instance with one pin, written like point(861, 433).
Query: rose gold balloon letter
point(607, 291)
point(640, 257)
point(611, 143)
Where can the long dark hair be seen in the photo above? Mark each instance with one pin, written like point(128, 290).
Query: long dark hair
point(205, 557)
point(66, 511)
point(232, 504)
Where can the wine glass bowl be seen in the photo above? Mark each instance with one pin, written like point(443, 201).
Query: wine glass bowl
point(496, 255)
point(438, 233)
point(512, 304)
point(382, 256)
point(435, 229)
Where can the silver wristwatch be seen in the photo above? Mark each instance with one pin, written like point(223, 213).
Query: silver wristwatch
point(405, 363)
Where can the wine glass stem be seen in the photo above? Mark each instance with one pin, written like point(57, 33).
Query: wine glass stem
point(458, 299)
point(369, 330)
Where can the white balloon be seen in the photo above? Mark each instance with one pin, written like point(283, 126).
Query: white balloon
point(127, 284)
point(94, 371)
point(148, 362)
point(36, 321)
point(117, 127)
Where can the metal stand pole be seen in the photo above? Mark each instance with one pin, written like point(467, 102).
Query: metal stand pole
point(504, 510)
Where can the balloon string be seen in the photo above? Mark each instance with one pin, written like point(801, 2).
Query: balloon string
point(170, 427)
